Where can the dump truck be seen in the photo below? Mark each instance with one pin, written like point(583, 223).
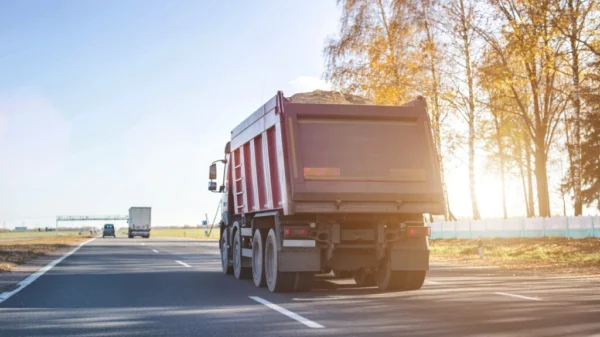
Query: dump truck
point(314, 188)
point(140, 221)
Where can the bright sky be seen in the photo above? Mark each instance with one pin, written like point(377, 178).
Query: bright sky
point(110, 104)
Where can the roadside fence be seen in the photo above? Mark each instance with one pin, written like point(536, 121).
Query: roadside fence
point(576, 227)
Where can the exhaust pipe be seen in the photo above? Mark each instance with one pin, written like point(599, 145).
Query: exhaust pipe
point(323, 237)
point(391, 236)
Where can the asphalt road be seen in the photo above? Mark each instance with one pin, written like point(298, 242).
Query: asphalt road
point(158, 287)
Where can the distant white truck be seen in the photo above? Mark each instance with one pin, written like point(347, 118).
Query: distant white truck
point(139, 222)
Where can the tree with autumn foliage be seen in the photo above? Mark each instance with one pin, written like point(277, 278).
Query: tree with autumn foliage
point(513, 73)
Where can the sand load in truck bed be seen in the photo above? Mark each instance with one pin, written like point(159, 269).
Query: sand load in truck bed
point(328, 97)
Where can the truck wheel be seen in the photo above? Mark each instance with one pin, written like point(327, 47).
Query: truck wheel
point(130, 236)
point(363, 278)
point(277, 281)
point(303, 281)
point(342, 273)
point(388, 279)
point(239, 271)
point(258, 252)
point(415, 279)
point(225, 265)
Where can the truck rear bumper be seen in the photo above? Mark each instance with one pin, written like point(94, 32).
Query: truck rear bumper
point(139, 233)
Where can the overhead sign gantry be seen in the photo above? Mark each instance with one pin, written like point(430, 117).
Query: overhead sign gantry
point(89, 218)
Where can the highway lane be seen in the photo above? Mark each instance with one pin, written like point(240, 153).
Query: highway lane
point(171, 287)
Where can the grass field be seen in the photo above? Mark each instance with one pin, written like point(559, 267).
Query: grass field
point(539, 254)
point(31, 234)
point(193, 233)
point(16, 252)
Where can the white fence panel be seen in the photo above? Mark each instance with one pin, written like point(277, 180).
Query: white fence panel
point(575, 227)
point(556, 223)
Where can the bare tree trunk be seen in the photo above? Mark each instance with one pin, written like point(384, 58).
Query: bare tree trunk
point(541, 179)
point(576, 144)
point(522, 174)
point(530, 202)
point(564, 201)
point(431, 49)
point(521, 171)
point(471, 106)
point(501, 156)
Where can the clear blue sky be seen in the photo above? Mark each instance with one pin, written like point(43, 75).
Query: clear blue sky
point(110, 104)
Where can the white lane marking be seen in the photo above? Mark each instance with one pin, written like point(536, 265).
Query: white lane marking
point(519, 296)
point(21, 285)
point(183, 264)
point(432, 282)
point(288, 313)
point(154, 250)
point(143, 244)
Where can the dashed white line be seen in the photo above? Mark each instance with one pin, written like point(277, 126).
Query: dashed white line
point(432, 282)
point(154, 250)
point(518, 296)
point(143, 244)
point(21, 285)
point(184, 264)
point(288, 313)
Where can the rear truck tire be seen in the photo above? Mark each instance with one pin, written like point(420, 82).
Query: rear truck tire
point(130, 236)
point(415, 279)
point(388, 279)
point(258, 258)
point(239, 271)
point(277, 281)
point(303, 281)
point(342, 273)
point(364, 278)
point(226, 267)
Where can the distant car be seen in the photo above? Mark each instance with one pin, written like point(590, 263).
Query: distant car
point(109, 230)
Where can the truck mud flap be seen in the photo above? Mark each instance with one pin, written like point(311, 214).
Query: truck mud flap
point(412, 254)
point(299, 259)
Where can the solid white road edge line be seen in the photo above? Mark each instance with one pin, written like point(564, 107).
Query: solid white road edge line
point(154, 250)
point(21, 285)
point(183, 264)
point(519, 296)
point(288, 313)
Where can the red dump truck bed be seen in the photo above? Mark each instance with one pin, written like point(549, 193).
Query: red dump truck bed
point(330, 158)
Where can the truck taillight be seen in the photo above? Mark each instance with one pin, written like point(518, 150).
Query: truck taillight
point(418, 231)
point(295, 232)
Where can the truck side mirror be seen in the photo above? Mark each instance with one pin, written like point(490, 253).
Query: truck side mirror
point(212, 186)
point(212, 172)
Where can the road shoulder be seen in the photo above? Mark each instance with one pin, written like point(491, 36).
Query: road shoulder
point(9, 280)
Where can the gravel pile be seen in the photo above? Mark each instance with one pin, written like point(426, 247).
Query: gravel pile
point(328, 97)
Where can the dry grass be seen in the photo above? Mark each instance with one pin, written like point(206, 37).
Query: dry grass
point(539, 254)
point(31, 234)
point(14, 253)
